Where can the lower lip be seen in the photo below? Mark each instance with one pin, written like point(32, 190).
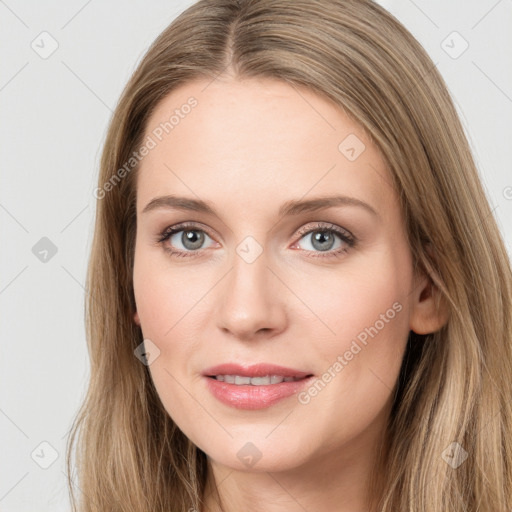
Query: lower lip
point(247, 396)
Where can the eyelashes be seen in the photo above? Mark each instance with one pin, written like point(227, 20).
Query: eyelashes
point(322, 231)
point(318, 233)
point(169, 232)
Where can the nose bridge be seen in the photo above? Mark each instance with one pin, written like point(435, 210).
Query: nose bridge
point(249, 276)
point(249, 301)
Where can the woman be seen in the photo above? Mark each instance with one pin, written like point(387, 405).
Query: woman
point(298, 297)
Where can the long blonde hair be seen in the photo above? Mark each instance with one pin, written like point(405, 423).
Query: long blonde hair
point(455, 385)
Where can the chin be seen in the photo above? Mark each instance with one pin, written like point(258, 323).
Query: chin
point(256, 453)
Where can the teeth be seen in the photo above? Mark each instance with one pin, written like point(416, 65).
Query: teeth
point(261, 381)
point(254, 381)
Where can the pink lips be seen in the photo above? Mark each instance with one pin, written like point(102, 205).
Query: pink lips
point(248, 396)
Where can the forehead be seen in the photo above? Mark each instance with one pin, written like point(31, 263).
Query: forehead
point(255, 141)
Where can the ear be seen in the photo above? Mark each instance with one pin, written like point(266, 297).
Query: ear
point(429, 311)
point(136, 318)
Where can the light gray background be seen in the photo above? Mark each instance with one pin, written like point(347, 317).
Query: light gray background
point(54, 114)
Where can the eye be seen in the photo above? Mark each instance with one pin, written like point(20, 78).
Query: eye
point(190, 239)
point(325, 238)
point(320, 240)
point(183, 240)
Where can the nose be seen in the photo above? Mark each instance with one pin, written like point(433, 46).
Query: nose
point(251, 304)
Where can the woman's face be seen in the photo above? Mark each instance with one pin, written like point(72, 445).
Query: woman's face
point(289, 249)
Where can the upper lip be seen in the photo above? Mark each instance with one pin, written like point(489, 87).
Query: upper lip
point(255, 370)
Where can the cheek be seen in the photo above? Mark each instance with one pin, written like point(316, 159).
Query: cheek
point(364, 325)
point(165, 299)
point(367, 302)
point(360, 361)
point(164, 295)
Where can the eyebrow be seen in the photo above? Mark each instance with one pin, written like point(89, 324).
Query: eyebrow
point(292, 207)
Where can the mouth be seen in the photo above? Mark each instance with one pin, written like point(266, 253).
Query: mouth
point(254, 387)
point(240, 380)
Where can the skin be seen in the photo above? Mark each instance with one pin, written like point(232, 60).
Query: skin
point(248, 147)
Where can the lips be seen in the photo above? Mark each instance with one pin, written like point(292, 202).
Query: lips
point(256, 370)
point(254, 387)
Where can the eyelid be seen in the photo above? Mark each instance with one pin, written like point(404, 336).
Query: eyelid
point(183, 226)
point(309, 228)
point(327, 226)
point(301, 232)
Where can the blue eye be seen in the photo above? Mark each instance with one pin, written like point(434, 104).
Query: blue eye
point(325, 240)
point(322, 240)
point(328, 239)
point(190, 238)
